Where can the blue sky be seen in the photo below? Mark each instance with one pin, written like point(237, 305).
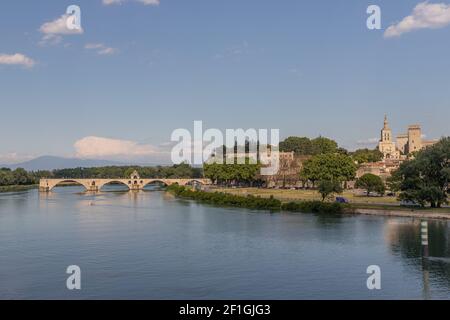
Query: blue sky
point(138, 71)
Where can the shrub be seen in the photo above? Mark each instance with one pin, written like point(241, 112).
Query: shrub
point(225, 199)
point(314, 207)
point(257, 203)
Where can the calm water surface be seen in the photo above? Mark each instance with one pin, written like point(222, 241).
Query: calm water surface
point(148, 245)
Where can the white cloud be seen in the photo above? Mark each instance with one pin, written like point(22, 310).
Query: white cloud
point(12, 158)
point(17, 59)
point(144, 2)
point(424, 16)
point(109, 2)
point(100, 48)
point(55, 30)
point(103, 148)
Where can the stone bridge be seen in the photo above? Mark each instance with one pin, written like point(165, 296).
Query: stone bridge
point(133, 183)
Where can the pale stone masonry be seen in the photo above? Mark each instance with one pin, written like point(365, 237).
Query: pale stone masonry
point(395, 152)
point(404, 145)
point(134, 182)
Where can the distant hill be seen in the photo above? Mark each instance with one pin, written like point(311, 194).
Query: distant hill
point(51, 163)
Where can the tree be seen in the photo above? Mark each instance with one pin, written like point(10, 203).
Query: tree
point(333, 167)
point(300, 145)
point(425, 179)
point(371, 183)
point(327, 187)
point(231, 173)
point(366, 155)
point(305, 146)
point(342, 151)
point(6, 178)
point(322, 145)
point(17, 177)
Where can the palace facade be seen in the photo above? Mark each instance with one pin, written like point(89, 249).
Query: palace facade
point(404, 145)
point(395, 152)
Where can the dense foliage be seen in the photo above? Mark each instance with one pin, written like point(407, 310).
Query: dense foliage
point(425, 179)
point(322, 145)
point(367, 155)
point(327, 188)
point(18, 177)
point(306, 146)
point(315, 207)
point(332, 167)
point(252, 202)
point(226, 199)
point(231, 174)
point(371, 183)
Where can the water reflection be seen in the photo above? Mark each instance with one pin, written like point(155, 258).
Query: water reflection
point(147, 244)
point(404, 238)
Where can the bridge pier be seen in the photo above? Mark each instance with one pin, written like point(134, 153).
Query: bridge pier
point(93, 189)
point(44, 189)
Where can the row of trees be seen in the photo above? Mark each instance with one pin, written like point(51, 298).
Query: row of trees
point(308, 147)
point(162, 172)
point(232, 174)
point(19, 176)
point(321, 145)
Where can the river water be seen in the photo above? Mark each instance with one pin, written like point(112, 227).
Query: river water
point(149, 245)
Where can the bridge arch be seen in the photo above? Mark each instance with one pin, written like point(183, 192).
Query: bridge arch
point(95, 184)
point(60, 182)
point(114, 182)
point(155, 181)
point(193, 182)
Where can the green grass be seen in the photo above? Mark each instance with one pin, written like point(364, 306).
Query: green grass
point(307, 195)
point(357, 201)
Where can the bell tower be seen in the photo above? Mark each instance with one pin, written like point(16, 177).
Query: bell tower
point(386, 145)
point(386, 132)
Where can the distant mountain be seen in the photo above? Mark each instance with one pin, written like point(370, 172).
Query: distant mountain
point(51, 163)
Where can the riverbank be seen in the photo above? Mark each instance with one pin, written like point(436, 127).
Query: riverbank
point(408, 213)
point(224, 199)
point(287, 195)
point(358, 204)
point(16, 188)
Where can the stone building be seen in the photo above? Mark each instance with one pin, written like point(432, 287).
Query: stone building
point(405, 144)
point(395, 152)
point(386, 145)
point(383, 169)
point(288, 173)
